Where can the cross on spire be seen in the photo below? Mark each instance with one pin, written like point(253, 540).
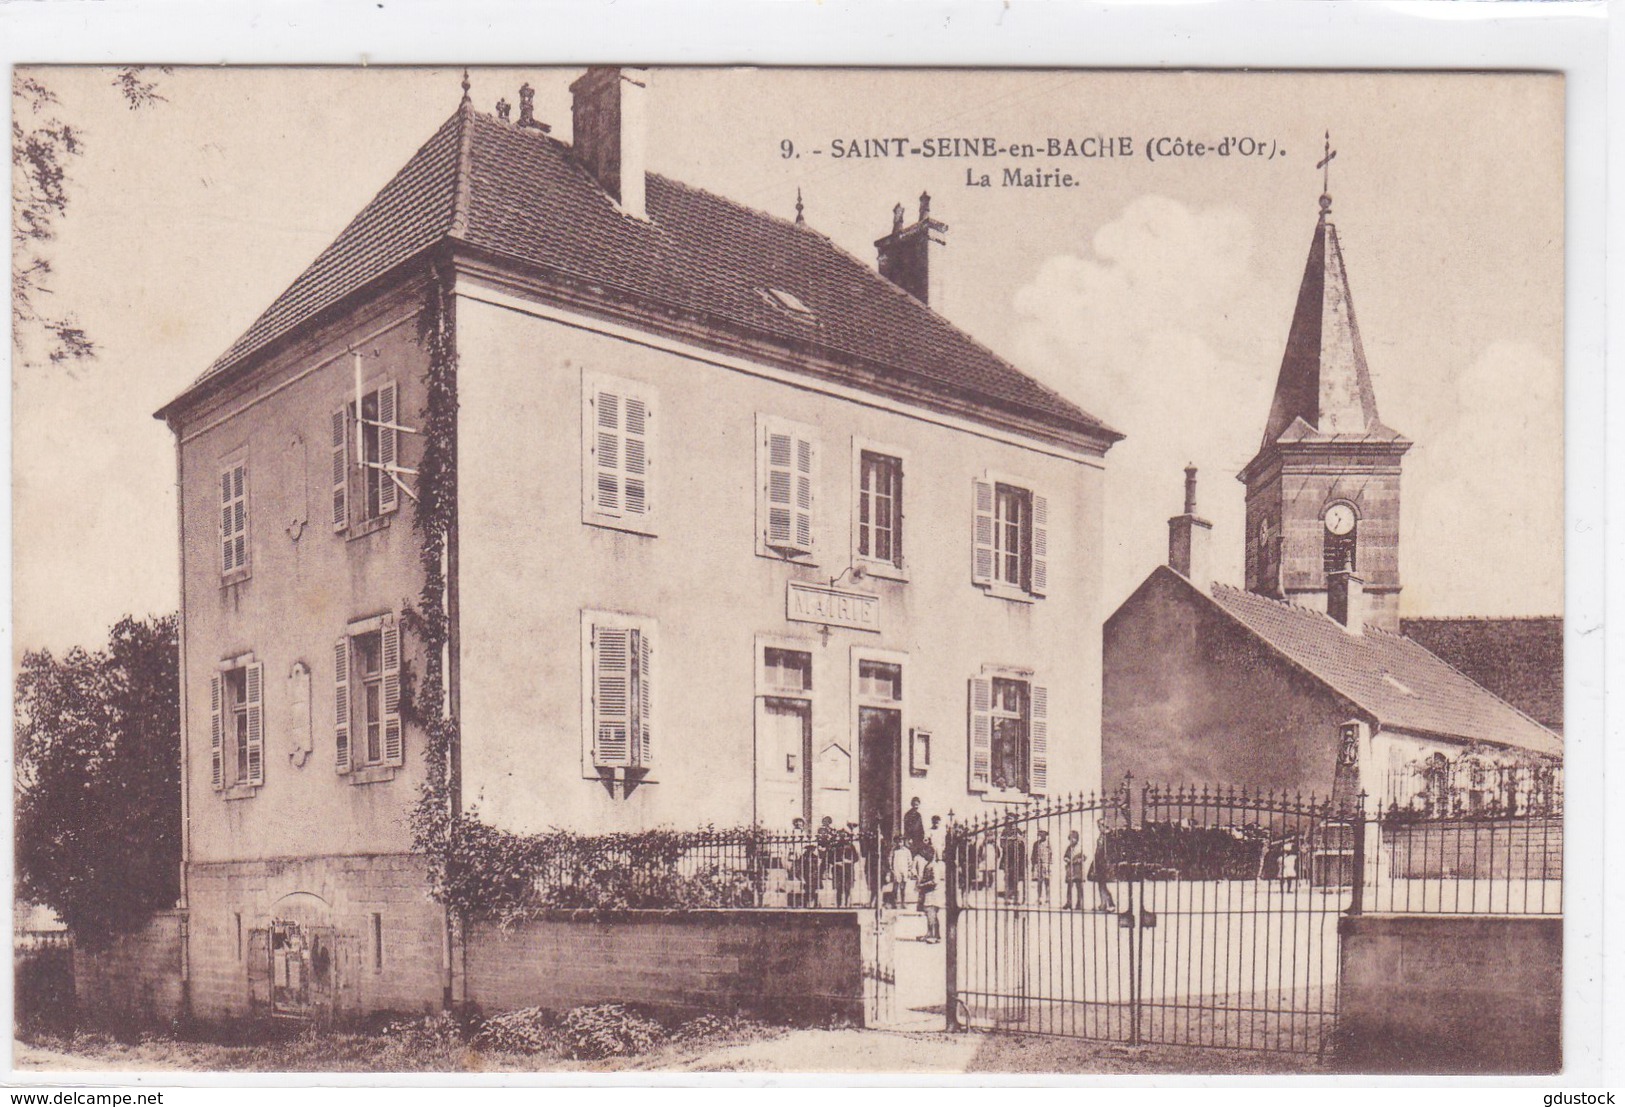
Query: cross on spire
point(1324, 165)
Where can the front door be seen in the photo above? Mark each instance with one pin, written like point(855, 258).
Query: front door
point(784, 758)
point(880, 783)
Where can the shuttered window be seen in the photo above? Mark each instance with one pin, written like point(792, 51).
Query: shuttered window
point(237, 726)
point(366, 458)
point(787, 467)
point(621, 684)
point(618, 454)
point(880, 508)
point(1009, 538)
point(234, 519)
point(1008, 740)
point(368, 729)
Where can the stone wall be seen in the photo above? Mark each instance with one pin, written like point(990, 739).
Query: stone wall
point(790, 965)
point(1431, 993)
point(135, 980)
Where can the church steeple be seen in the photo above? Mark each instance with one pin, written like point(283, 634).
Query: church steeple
point(1323, 490)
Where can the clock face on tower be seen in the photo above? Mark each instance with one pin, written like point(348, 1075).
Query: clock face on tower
point(1339, 519)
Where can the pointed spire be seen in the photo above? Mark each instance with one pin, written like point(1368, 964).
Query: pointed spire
point(1324, 380)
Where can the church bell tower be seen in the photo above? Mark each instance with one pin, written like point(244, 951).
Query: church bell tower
point(1323, 490)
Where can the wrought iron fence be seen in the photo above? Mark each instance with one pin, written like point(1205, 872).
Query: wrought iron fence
point(1487, 863)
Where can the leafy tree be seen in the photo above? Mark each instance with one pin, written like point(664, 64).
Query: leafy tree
point(98, 786)
point(43, 148)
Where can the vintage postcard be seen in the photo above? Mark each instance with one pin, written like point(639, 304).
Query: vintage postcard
point(582, 568)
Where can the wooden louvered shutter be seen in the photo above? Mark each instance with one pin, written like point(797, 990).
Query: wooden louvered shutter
point(612, 696)
point(394, 744)
point(254, 685)
point(645, 687)
point(980, 757)
point(1039, 577)
point(636, 456)
point(341, 702)
point(982, 524)
point(388, 448)
point(341, 470)
point(1038, 742)
point(606, 453)
point(780, 489)
point(806, 479)
point(216, 733)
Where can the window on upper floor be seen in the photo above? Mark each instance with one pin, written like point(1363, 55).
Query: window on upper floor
point(1010, 539)
point(617, 446)
point(234, 520)
point(787, 478)
point(367, 696)
point(1009, 735)
point(879, 524)
point(366, 459)
point(237, 726)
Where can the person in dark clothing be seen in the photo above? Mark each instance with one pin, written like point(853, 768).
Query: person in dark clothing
point(1100, 873)
point(914, 825)
point(1013, 853)
point(1073, 862)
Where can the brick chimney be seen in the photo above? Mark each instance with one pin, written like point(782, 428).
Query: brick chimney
point(910, 257)
point(1188, 536)
point(1345, 600)
point(607, 116)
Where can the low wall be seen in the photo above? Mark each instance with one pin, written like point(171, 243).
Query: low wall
point(1515, 849)
point(1428, 993)
point(781, 965)
point(135, 980)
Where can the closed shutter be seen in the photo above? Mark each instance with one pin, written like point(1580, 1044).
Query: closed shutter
point(1038, 743)
point(982, 532)
point(980, 757)
point(341, 702)
point(394, 743)
point(645, 699)
point(612, 696)
point(1039, 577)
point(254, 683)
point(789, 479)
point(341, 470)
point(216, 733)
point(388, 447)
point(620, 454)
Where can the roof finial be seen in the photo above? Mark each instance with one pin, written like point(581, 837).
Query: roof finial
point(466, 98)
point(1324, 165)
point(801, 220)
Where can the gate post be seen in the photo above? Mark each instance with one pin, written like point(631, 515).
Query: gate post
point(1357, 895)
point(950, 865)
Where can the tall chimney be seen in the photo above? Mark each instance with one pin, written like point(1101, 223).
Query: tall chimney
point(910, 257)
point(607, 116)
point(1345, 600)
point(1188, 538)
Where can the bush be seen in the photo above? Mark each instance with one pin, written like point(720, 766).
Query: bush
point(431, 1032)
point(527, 1030)
point(608, 1030)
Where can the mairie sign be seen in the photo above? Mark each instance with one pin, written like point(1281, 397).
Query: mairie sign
point(808, 603)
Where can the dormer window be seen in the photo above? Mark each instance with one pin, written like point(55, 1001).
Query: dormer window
point(787, 301)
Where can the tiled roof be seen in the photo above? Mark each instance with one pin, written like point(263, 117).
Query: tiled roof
point(519, 194)
point(1398, 681)
point(1520, 660)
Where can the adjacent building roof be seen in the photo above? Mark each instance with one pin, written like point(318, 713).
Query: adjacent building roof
point(1324, 389)
point(516, 193)
point(1398, 682)
point(1520, 660)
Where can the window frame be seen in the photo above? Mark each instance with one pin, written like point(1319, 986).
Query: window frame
point(237, 773)
point(360, 482)
point(1036, 557)
point(350, 705)
point(593, 384)
point(897, 568)
point(793, 552)
point(1037, 735)
point(649, 631)
point(242, 568)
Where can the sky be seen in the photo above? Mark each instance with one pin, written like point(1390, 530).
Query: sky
point(1156, 294)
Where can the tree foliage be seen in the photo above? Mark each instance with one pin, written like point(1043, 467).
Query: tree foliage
point(44, 147)
point(98, 784)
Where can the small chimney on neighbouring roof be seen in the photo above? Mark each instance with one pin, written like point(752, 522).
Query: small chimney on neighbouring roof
point(607, 115)
point(1345, 600)
point(910, 255)
point(1188, 538)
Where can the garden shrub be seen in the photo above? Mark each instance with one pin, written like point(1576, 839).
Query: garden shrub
point(607, 1030)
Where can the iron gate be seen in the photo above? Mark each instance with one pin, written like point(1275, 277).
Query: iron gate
point(1195, 917)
